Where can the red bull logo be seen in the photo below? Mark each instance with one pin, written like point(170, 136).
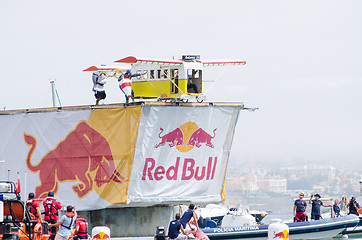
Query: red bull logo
point(186, 137)
point(281, 235)
point(76, 158)
point(101, 236)
point(174, 138)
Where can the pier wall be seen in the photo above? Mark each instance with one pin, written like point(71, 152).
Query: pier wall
point(131, 222)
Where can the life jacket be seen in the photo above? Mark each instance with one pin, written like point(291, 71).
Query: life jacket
point(71, 216)
point(125, 84)
point(49, 207)
point(83, 227)
point(31, 207)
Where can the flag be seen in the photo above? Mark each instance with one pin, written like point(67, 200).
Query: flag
point(17, 186)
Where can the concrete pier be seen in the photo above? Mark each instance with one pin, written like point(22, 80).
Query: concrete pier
point(132, 221)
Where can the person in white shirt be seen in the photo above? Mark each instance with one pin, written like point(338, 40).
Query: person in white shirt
point(66, 223)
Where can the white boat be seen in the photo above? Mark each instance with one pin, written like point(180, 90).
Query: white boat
point(216, 212)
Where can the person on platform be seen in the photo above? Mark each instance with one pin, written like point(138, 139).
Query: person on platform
point(335, 209)
point(300, 209)
point(175, 228)
point(99, 91)
point(353, 206)
point(316, 206)
point(125, 84)
point(51, 211)
point(66, 224)
point(186, 217)
point(33, 207)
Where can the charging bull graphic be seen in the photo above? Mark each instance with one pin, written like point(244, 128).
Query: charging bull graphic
point(175, 138)
point(282, 235)
point(201, 136)
point(83, 151)
point(101, 236)
point(186, 137)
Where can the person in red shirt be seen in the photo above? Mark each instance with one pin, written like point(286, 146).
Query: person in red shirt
point(81, 229)
point(33, 207)
point(51, 211)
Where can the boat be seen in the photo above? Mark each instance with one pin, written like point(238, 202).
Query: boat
point(355, 230)
point(216, 212)
point(324, 228)
point(17, 223)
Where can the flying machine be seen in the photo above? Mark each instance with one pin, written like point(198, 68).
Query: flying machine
point(167, 80)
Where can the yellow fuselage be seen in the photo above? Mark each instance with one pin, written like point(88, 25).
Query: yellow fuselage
point(157, 88)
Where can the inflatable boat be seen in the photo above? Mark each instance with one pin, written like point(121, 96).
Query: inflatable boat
point(324, 228)
point(355, 230)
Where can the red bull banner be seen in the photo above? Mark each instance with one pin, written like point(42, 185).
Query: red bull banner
point(181, 155)
point(134, 156)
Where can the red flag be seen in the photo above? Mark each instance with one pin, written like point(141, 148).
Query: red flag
point(17, 186)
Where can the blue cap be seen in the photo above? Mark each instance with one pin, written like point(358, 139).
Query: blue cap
point(31, 195)
point(128, 71)
point(51, 194)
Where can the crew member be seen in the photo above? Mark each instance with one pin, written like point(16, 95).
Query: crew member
point(186, 217)
point(125, 84)
point(316, 206)
point(66, 224)
point(81, 228)
point(174, 229)
point(99, 91)
point(336, 209)
point(300, 209)
point(33, 207)
point(51, 211)
point(353, 206)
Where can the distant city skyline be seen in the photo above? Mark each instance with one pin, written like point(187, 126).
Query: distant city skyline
point(253, 184)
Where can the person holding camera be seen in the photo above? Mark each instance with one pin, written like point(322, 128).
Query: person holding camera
point(66, 224)
point(353, 206)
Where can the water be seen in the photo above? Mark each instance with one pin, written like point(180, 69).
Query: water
point(266, 220)
point(357, 237)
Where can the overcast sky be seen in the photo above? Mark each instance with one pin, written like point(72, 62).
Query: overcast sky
point(303, 66)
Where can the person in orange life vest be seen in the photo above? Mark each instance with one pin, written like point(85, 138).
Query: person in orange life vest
point(66, 224)
point(51, 209)
point(33, 207)
point(81, 229)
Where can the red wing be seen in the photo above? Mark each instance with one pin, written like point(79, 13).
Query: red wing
point(108, 68)
point(149, 61)
point(226, 62)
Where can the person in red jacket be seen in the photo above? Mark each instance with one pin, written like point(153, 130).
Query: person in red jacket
point(81, 229)
point(33, 207)
point(51, 211)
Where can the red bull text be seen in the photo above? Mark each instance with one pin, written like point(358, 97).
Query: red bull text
point(189, 170)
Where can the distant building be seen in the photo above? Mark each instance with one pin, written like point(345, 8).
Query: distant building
point(276, 184)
